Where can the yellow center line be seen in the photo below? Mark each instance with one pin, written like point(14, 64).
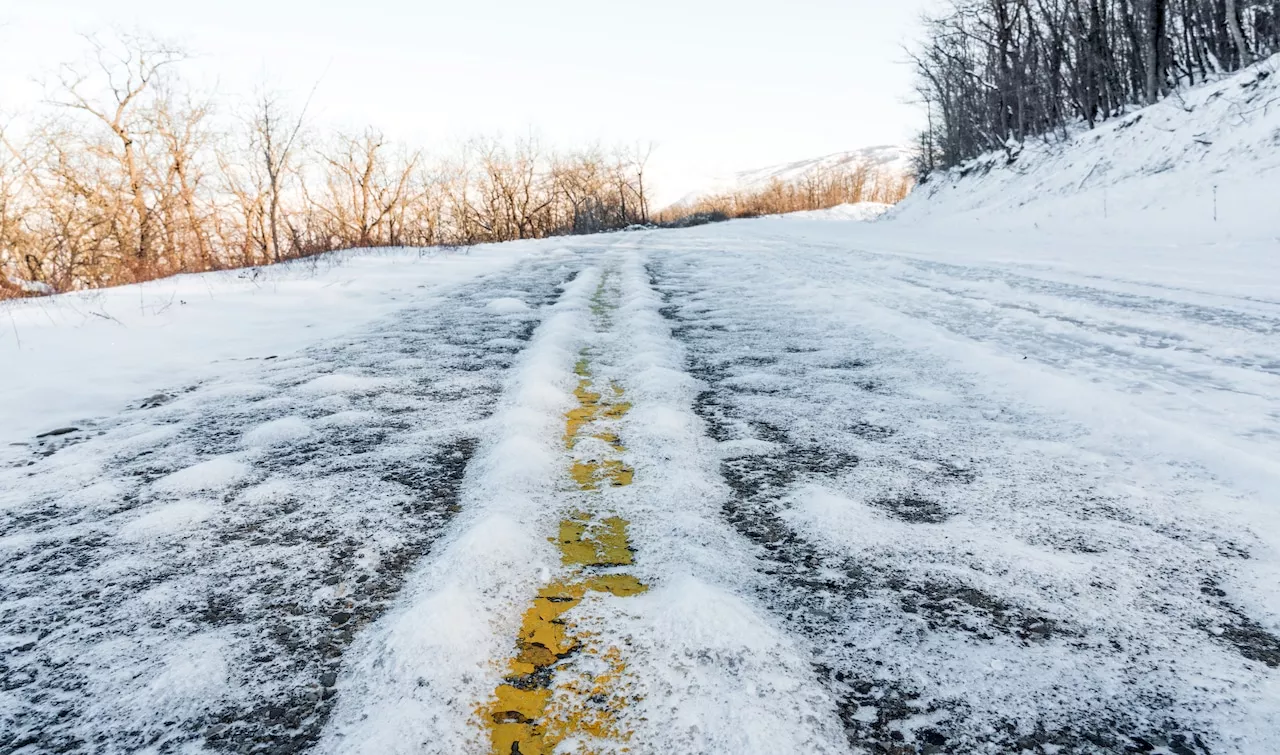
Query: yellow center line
point(551, 694)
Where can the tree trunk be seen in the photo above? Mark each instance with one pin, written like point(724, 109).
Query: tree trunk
point(139, 200)
point(1237, 34)
point(275, 222)
point(1155, 51)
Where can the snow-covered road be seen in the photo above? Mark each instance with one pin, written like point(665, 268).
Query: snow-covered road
point(763, 487)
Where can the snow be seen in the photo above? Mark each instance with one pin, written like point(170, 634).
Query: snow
point(720, 678)
point(167, 519)
point(416, 677)
point(328, 385)
point(507, 306)
point(861, 211)
point(715, 672)
point(33, 287)
point(193, 671)
point(1199, 167)
point(1021, 472)
point(163, 335)
point(279, 432)
point(223, 543)
point(213, 475)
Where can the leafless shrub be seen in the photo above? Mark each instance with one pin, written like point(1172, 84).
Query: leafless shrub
point(816, 189)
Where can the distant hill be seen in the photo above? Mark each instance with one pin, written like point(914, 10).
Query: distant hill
point(885, 159)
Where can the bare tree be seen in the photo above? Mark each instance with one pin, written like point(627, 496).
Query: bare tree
point(1237, 34)
point(1156, 58)
point(161, 185)
point(129, 66)
point(275, 133)
point(369, 189)
point(11, 191)
point(818, 189)
point(183, 132)
point(579, 181)
point(992, 73)
point(630, 166)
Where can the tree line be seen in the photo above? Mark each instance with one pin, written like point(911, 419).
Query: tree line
point(128, 175)
point(995, 72)
point(816, 189)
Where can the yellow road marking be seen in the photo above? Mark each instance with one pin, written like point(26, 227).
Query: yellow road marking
point(548, 697)
point(586, 543)
point(589, 474)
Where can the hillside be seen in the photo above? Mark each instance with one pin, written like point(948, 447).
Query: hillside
point(1198, 167)
point(883, 159)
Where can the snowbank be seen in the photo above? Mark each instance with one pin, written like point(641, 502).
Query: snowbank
point(1201, 166)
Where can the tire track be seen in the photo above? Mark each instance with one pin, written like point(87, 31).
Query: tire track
point(228, 541)
point(863, 613)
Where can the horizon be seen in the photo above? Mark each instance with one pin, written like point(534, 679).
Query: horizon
point(702, 95)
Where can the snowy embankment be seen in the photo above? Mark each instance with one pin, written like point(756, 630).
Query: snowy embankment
point(1201, 166)
point(75, 356)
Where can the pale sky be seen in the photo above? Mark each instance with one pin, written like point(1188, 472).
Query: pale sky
point(718, 85)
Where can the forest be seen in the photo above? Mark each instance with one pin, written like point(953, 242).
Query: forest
point(993, 73)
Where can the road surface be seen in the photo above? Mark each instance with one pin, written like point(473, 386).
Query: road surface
point(697, 492)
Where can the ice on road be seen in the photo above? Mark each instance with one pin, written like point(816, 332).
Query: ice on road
point(865, 492)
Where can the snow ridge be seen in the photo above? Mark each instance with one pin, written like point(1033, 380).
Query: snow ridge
point(416, 677)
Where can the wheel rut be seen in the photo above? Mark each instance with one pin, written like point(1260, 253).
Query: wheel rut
point(233, 538)
point(836, 598)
